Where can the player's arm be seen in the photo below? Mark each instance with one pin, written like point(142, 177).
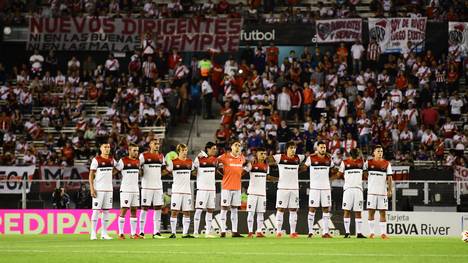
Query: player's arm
point(92, 174)
point(365, 172)
point(141, 158)
point(195, 166)
point(339, 172)
point(219, 167)
point(117, 168)
point(164, 171)
point(272, 160)
point(247, 166)
point(389, 181)
point(334, 174)
point(305, 165)
point(169, 168)
point(271, 178)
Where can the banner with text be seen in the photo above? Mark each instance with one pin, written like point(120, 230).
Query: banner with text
point(49, 221)
point(338, 30)
point(12, 179)
point(401, 172)
point(458, 34)
point(125, 34)
point(394, 34)
point(51, 174)
point(460, 173)
point(421, 223)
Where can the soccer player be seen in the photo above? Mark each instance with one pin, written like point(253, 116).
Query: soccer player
point(206, 187)
point(152, 163)
point(129, 167)
point(287, 196)
point(256, 200)
point(181, 199)
point(232, 163)
point(379, 189)
point(320, 164)
point(100, 182)
point(352, 169)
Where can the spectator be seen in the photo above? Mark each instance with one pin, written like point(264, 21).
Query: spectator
point(60, 199)
point(207, 93)
point(357, 51)
point(112, 66)
point(36, 61)
point(284, 103)
point(456, 104)
point(83, 198)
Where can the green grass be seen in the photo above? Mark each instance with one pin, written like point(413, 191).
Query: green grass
point(78, 248)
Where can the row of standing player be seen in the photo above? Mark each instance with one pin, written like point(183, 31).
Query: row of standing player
point(232, 166)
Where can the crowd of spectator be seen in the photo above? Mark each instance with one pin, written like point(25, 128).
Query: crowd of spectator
point(412, 103)
point(352, 97)
point(94, 101)
point(15, 12)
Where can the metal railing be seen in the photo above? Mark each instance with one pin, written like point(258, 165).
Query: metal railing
point(406, 195)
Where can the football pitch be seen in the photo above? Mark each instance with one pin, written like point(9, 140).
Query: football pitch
point(78, 248)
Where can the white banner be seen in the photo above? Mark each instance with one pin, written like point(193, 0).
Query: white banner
point(338, 30)
point(393, 34)
point(12, 179)
point(420, 223)
point(458, 34)
point(63, 173)
point(460, 173)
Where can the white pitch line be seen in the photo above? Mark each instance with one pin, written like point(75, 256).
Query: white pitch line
point(32, 251)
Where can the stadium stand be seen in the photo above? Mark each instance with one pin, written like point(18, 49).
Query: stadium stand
point(402, 104)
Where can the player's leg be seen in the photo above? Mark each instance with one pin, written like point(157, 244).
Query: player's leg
point(251, 207)
point(210, 204)
point(382, 206)
point(325, 200)
point(186, 224)
point(124, 206)
point(200, 205)
point(174, 214)
point(371, 206)
point(158, 203)
point(176, 206)
point(235, 205)
point(146, 198)
point(134, 204)
point(97, 206)
point(107, 204)
point(358, 222)
point(293, 206)
point(196, 220)
point(357, 208)
point(187, 207)
point(292, 223)
point(261, 208)
point(225, 205)
point(123, 212)
point(347, 206)
point(314, 203)
point(133, 222)
point(282, 198)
